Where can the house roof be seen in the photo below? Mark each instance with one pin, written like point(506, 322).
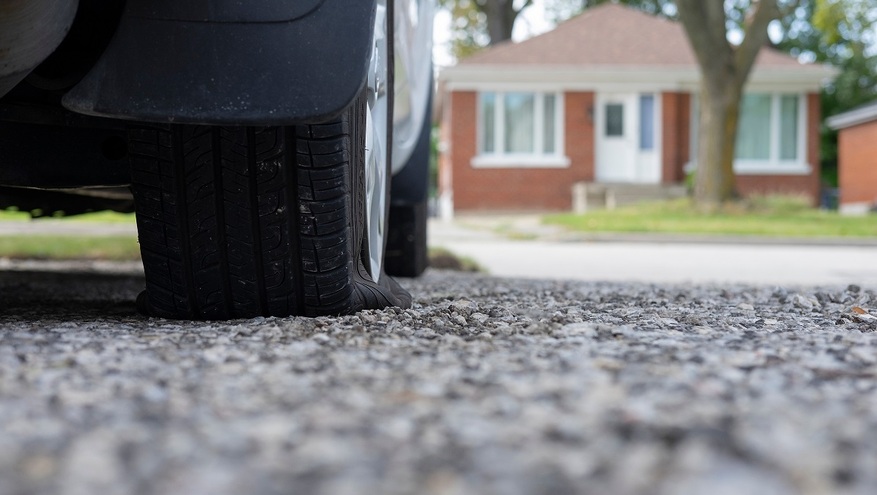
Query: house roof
point(612, 37)
point(859, 115)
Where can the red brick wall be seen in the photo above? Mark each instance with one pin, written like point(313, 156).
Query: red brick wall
point(807, 185)
point(857, 163)
point(519, 189)
point(550, 189)
point(579, 135)
point(445, 163)
point(676, 136)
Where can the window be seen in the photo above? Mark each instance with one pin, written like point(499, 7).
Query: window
point(614, 120)
point(647, 122)
point(753, 129)
point(520, 122)
point(548, 119)
point(769, 128)
point(520, 128)
point(488, 123)
point(789, 127)
point(771, 134)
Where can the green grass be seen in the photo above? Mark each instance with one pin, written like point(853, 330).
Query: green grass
point(66, 247)
point(444, 259)
point(772, 216)
point(96, 217)
point(115, 248)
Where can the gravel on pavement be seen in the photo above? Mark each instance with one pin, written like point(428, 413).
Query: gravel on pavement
point(487, 386)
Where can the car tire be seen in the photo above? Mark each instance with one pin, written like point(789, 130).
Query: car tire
point(407, 251)
point(238, 222)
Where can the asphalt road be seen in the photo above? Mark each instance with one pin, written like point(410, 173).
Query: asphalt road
point(488, 385)
point(542, 252)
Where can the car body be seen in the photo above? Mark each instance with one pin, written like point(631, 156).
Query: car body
point(76, 76)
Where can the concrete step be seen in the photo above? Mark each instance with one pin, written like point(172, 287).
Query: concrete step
point(595, 196)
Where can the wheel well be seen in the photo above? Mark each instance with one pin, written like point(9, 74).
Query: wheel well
point(92, 29)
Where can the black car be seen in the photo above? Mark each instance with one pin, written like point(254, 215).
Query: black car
point(258, 143)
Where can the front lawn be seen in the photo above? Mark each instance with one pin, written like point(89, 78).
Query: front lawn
point(768, 216)
point(12, 215)
point(52, 247)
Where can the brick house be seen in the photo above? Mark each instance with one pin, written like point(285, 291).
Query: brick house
point(608, 99)
point(857, 158)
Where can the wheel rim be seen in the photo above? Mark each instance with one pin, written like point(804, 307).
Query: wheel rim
point(376, 144)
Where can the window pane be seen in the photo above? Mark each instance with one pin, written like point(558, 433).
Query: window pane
point(488, 122)
point(753, 130)
point(614, 119)
point(789, 127)
point(647, 122)
point(519, 125)
point(548, 123)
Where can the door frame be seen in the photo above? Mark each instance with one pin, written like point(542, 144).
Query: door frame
point(643, 166)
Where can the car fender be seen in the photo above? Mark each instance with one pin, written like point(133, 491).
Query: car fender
point(29, 31)
point(265, 62)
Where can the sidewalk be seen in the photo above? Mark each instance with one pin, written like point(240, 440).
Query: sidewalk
point(66, 227)
point(530, 227)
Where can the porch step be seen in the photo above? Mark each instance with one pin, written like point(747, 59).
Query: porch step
point(597, 196)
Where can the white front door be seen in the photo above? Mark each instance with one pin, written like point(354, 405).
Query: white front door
point(627, 138)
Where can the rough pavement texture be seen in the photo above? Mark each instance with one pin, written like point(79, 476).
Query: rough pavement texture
point(486, 386)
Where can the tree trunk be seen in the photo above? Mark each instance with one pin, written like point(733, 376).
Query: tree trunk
point(501, 15)
point(724, 69)
point(719, 112)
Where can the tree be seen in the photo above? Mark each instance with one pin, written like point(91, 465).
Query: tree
point(478, 23)
point(724, 68)
point(561, 10)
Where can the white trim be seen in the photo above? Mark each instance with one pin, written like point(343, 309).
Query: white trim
point(763, 167)
point(623, 79)
point(520, 161)
point(855, 116)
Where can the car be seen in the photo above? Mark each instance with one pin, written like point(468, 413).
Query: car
point(275, 152)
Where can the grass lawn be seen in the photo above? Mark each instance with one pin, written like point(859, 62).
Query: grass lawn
point(115, 248)
point(65, 247)
point(768, 216)
point(96, 217)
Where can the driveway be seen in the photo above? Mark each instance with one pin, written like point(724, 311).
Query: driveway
point(487, 385)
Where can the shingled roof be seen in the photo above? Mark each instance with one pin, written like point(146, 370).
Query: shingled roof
point(613, 36)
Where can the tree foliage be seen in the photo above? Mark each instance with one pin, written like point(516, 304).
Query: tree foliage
point(479, 23)
point(842, 33)
point(561, 10)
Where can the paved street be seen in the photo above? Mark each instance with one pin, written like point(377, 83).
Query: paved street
point(646, 258)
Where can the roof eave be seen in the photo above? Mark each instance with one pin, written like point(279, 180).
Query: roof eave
point(852, 118)
point(469, 76)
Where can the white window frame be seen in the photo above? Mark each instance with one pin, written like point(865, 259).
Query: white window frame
point(499, 158)
point(773, 165)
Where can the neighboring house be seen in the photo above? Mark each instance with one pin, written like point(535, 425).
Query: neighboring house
point(857, 158)
point(606, 99)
